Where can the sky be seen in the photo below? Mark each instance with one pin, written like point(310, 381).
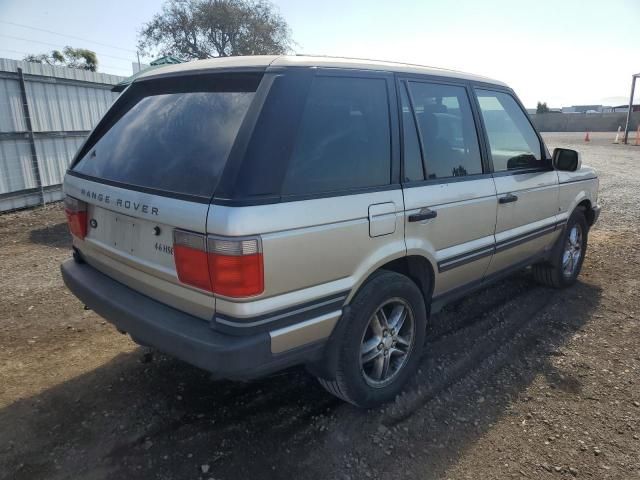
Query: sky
point(562, 52)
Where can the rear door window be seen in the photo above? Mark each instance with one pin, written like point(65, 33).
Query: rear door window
point(447, 129)
point(343, 140)
point(172, 135)
point(512, 140)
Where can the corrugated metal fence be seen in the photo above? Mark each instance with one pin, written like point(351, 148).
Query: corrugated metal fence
point(45, 114)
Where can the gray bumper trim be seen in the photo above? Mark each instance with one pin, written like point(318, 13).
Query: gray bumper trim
point(177, 333)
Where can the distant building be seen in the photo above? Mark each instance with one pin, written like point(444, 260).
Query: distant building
point(583, 109)
point(533, 111)
point(624, 108)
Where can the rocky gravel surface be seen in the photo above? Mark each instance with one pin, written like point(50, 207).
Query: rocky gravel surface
point(517, 381)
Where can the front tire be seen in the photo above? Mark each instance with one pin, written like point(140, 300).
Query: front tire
point(383, 341)
point(568, 255)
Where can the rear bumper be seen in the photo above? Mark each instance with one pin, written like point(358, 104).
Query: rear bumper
point(177, 333)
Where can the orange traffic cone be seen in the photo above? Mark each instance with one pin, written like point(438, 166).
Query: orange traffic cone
point(586, 137)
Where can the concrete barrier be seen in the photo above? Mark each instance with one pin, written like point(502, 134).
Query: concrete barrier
point(581, 122)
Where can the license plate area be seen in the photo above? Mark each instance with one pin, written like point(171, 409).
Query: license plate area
point(126, 234)
point(131, 239)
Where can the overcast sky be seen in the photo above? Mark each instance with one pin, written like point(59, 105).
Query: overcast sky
point(563, 52)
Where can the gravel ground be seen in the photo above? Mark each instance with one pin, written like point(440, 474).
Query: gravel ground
point(517, 381)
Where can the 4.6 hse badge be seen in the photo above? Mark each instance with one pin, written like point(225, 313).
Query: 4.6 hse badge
point(161, 247)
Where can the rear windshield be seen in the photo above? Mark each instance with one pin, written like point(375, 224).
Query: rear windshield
point(172, 135)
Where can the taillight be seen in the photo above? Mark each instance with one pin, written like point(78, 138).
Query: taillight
point(226, 266)
point(190, 255)
point(235, 267)
point(76, 212)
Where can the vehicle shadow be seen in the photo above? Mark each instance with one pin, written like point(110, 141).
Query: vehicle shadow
point(52, 236)
point(145, 415)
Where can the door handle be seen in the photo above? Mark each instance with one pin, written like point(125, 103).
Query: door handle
point(508, 198)
point(424, 214)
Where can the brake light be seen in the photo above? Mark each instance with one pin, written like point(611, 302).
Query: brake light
point(226, 266)
point(190, 255)
point(76, 212)
point(236, 267)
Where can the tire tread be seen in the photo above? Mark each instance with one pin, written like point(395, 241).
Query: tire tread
point(341, 384)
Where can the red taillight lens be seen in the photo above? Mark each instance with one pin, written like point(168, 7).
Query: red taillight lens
point(76, 212)
point(191, 260)
point(235, 266)
point(229, 267)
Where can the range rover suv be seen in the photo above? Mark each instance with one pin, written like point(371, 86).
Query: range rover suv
point(249, 214)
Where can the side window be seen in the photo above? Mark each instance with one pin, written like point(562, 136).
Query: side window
point(446, 124)
point(413, 170)
point(513, 142)
point(344, 139)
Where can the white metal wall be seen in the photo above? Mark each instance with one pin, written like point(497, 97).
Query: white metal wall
point(64, 105)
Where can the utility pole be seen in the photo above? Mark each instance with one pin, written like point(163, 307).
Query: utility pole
point(633, 87)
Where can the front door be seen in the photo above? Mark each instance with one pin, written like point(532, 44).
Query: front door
point(526, 184)
point(450, 201)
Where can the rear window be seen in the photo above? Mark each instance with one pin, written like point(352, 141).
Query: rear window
point(172, 135)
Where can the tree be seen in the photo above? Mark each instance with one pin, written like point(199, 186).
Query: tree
point(542, 108)
point(79, 58)
point(197, 29)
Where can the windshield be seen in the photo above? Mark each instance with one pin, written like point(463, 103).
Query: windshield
point(174, 135)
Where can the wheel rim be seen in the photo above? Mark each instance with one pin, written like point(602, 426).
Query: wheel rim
point(572, 251)
point(387, 342)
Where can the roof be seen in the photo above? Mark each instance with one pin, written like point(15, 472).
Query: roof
point(264, 61)
point(157, 63)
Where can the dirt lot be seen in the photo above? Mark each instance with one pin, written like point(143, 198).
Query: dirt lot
point(518, 381)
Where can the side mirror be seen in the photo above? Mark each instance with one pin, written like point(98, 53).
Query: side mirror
point(566, 160)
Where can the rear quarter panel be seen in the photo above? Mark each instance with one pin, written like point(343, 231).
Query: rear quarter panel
point(311, 248)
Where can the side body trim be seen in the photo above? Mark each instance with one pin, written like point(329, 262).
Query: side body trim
point(447, 297)
point(472, 256)
point(280, 318)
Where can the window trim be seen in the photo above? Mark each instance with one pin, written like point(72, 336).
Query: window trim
point(405, 84)
point(543, 150)
point(485, 161)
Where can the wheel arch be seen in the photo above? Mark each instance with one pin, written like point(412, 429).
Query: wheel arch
point(416, 267)
point(588, 210)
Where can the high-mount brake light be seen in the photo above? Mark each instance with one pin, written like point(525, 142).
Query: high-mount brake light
point(225, 266)
point(76, 212)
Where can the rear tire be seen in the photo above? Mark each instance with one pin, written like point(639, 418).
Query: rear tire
point(565, 264)
point(383, 341)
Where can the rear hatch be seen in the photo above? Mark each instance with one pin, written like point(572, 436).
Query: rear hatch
point(150, 168)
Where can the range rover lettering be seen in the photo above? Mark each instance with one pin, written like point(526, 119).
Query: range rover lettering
point(248, 214)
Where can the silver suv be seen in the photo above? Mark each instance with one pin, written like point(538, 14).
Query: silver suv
point(248, 214)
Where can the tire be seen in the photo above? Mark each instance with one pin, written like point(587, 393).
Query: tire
point(555, 273)
point(378, 375)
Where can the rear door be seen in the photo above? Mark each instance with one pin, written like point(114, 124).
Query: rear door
point(151, 166)
point(526, 184)
point(450, 198)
